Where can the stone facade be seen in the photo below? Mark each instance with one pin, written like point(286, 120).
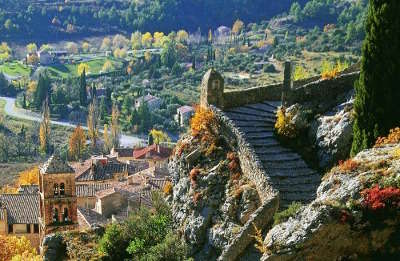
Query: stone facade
point(212, 89)
point(58, 202)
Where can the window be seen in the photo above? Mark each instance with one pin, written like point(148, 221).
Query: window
point(56, 189)
point(28, 228)
point(215, 84)
point(55, 215)
point(36, 228)
point(65, 215)
point(62, 189)
point(10, 229)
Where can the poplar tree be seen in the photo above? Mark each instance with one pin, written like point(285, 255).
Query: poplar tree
point(82, 89)
point(44, 131)
point(377, 98)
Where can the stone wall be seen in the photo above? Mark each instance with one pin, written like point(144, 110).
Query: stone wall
point(313, 89)
point(252, 168)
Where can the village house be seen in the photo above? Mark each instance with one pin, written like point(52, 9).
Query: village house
point(156, 155)
point(152, 102)
point(19, 216)
point(183, 115)
point(45, 58)
point(122, 154)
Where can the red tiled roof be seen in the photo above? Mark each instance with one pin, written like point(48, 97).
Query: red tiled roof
point(151, 152)
point(185, 109)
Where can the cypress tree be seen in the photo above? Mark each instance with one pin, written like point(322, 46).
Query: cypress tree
point(378, 89)
point(82, 89)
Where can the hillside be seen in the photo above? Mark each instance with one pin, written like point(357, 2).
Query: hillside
point(39, 18)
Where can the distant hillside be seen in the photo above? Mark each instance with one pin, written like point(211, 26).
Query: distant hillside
point(43, 18)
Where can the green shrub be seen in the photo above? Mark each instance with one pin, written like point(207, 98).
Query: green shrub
point(284, 215)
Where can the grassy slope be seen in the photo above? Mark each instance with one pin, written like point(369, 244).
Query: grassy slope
point(15, 69)
point(95, 66)
point(10, 170)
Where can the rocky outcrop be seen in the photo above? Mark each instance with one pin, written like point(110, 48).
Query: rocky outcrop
point(332, 133)
point(351, 218)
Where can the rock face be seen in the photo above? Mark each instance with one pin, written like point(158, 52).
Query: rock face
point(332, 133)
point(339, 223)
point(211, 199)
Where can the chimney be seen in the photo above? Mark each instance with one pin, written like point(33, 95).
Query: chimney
point(158, 148)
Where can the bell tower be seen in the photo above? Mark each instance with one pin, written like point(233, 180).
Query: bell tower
point(58, 202)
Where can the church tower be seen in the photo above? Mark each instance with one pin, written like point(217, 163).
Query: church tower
point(58, 202)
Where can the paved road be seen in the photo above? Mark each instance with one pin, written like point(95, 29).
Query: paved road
point(11, 110)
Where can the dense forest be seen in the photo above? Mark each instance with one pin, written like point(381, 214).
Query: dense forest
point(36, 18)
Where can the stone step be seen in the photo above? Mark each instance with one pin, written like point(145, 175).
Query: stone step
point(289, 164)
point(312, 180)
point(297, 196)
point(238, 116)
point(262, 107)
point(288, 156)
point(245, 123)
point(297, 188)
point(254, 112)
point(256, 143)
point(256, 129)
point(260, 135)
point(274, 104)
point(276, 149)
point(300, 172)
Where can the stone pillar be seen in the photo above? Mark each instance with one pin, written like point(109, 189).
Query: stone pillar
point(212, 89)
point(287, 82)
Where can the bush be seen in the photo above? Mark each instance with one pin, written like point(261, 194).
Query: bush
point(284, 215)
point(376, 198)
point(392, 138)
point(167, 188)
point(284, 126)
point(348, 165)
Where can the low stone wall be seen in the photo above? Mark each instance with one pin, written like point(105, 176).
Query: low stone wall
point(252, 169)
point(252, 95)
point(323, 90)
point(259, 219)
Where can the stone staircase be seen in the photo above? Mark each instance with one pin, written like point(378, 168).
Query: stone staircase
point(288, 172)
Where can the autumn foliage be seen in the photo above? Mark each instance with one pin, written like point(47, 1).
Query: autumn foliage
point(167, 188)
point(77, 143)
point(202, 124)
point(392, 138)
point(234, 165)
point(194, 173)
point(29, 177)
point(283, 125)
point(348, 165)
point(380, 198)
point(17, 248)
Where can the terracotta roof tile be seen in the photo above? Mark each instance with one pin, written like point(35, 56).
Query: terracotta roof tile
point(21, 208)
point(152, 152)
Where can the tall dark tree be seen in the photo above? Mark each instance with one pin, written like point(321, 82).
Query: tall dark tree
point(82, 89)
point(42, 90)
point(377, 99)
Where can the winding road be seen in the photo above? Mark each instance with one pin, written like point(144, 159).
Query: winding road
point(11, 110)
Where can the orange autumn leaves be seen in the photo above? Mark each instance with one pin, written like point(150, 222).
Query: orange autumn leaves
point(17, 248)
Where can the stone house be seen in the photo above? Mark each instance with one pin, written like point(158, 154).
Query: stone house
point(86, 194)
point(153, 103)
point(45, 58)
point(156, 155)
point(122, 154)
point(109, 202)
point(183, 115)
point(19, 216)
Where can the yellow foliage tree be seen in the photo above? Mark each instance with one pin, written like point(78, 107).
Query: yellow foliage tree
point(158, 36)
point(5, 51)
point(107, 66)
point(147, 39)
point(159, 136)
point(82, 67)
point(147, 56)
point(77, 143)
point(85, 47)
point(182, 36)
point(136, 40)
point(106, 44)
point(17, 248)
point(32, 59)
point(44, 131)
point(93, 123)
point(330, 70)
point(283, 125)
point(203, 123)
point(28, 177)
point(106, 138)
point(300, 73)
point(237, 27)
point(31, 48)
